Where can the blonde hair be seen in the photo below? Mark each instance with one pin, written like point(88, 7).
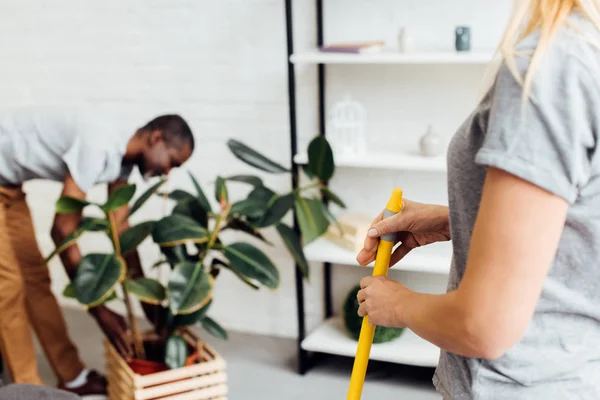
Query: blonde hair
point(545, 18)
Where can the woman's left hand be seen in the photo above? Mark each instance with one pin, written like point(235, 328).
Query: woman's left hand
point(383, 300)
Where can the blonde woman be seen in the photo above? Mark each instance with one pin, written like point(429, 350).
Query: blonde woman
point(521, 317)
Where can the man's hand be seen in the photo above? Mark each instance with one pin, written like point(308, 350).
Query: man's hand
point(416, 225)
point(115, 329)
point(382, 300)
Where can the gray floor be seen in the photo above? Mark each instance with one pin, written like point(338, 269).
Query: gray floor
point(264, 368)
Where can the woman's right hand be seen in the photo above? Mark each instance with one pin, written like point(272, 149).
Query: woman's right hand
point(416, 225)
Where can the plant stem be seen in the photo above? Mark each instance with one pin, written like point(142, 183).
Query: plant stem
point(135, 330)
point(311, 186)
point(218, 225)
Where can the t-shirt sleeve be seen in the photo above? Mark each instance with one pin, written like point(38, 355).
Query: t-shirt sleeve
point(86, 161)
point(549, 140)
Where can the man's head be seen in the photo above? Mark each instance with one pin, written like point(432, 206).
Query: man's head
point(166, 142)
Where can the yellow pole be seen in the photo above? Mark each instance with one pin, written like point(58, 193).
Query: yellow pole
point(365, 340)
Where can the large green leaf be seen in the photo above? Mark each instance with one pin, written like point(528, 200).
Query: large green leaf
point(330, 196)
point(189, 319)
point(86, 224)
point(120, 197)
point(96, 278)
point(193, 209)
point(145, 196)
point(320, 158)
point(332, 219)
point(254, 158)
point(262, 193)
point(212, 327)
point(313, 223)
point(176, 352)
point(177, 229)
point(247, 227)
point(176, 254)
point(249, 179)
point(252, 263)
point(294, 245)
point(189, 289)
point(69, 205)
point(146, 289)
point(200, 193)
point(221, 190)
point(277, 210)
point(69, 292)
point(244, 279)
point(132, 237)
point(251, 208)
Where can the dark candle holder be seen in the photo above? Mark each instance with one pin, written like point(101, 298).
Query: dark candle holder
point(462, 38)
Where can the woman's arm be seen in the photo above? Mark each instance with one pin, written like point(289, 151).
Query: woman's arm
point(514, 241)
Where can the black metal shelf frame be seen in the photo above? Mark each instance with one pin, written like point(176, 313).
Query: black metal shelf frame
point(304, 360)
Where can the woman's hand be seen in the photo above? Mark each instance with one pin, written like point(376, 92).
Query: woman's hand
point(416, 225)
point(381, 298)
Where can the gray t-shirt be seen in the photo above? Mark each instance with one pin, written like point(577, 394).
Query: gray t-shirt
point(47, 142)
point(552, 145)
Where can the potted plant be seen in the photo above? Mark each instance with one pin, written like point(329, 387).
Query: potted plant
point(172, 358)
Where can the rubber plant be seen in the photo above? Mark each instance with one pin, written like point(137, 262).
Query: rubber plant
point(190, 240)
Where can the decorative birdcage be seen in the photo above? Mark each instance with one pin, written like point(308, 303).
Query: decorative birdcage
point(347, 127)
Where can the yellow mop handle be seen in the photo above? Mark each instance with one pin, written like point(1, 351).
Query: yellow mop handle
point(382, 263)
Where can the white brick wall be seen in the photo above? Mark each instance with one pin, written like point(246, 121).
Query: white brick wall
point(221, 64)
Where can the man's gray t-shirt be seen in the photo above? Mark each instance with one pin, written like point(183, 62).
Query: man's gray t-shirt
point(553, 145)
point(48, 142)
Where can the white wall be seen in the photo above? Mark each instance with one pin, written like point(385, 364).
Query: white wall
point(222, 65)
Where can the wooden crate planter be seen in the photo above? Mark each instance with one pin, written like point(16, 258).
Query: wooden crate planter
point(204, 380)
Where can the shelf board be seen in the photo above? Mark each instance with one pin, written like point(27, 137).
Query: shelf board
point(331, 338)
point(404, 161)
point(323, 250)
point(393, 57)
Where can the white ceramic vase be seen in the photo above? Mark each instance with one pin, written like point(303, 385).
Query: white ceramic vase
point(431, 144)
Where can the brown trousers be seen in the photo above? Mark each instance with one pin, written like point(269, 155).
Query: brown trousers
point(27, 299)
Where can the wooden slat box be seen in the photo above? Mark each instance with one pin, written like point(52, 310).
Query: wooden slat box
point(204, 380)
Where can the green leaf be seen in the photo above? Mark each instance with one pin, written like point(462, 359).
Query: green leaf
point(190, 288)
point(146, 289)
point(330, 196)
point(145, 196)
point(69, 205)
point(254, 158)
point(177, 229)
point(132, 237)
point(262, 193)
point(180, 195)
point(332, 219)
point(294, 245)
point(190, 319)
point(176, 352)
point(176, 254)
point(313, 223)
point(277, 210)
point(94, 224)
point(247, 227)
point(193, 209)
point(96, 278)
point(201, 196)
point(320, 158)
point(221, 190)
point(244, 279)
point(251, 208)
point(252, 263)
point(212, 327)
point(120, 197)
point(249, 179)
point(308, 172)
point(68, 291)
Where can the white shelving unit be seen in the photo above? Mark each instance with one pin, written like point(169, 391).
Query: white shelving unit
point(330, 337)
point(323, 250)
point(406, 161)
point(393, 57)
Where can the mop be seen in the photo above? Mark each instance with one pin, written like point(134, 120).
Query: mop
point(367, 332)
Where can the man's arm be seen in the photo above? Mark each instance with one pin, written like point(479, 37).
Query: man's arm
point(64, 225)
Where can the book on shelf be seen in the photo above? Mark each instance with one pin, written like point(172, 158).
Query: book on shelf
point(353, 47)
point(354, 227)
